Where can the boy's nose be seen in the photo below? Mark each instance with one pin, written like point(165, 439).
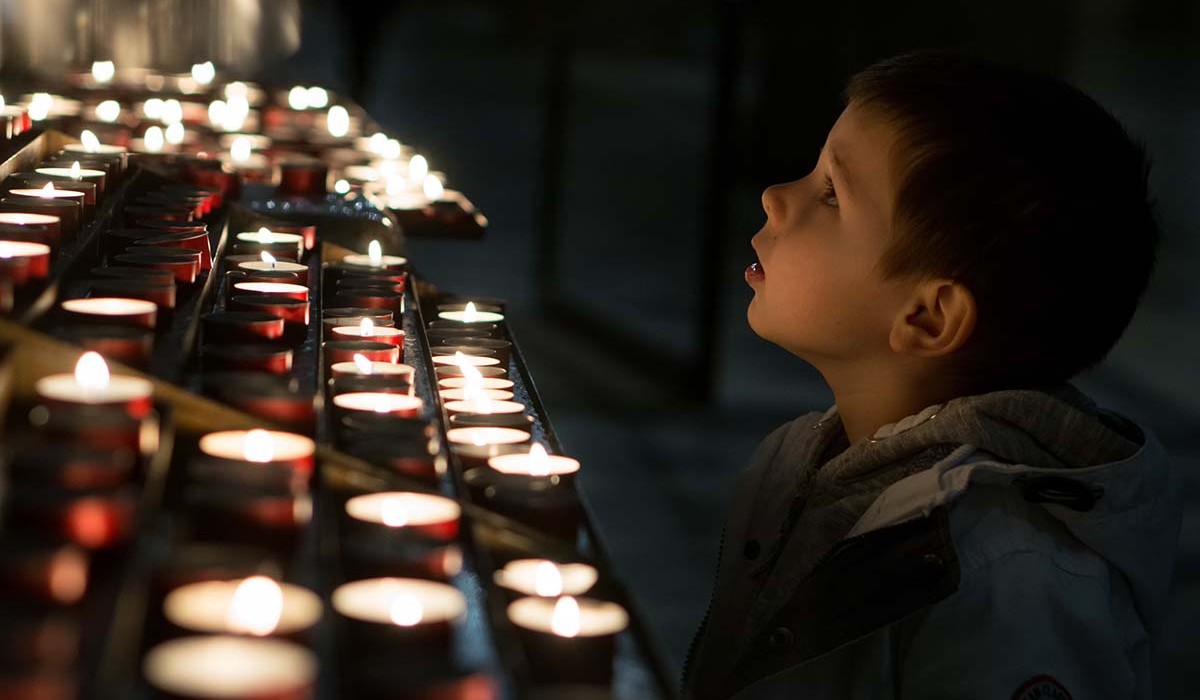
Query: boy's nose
point(772, 201)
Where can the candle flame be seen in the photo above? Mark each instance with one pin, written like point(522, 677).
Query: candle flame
point(108, 111)
point(478, 439)
point(47, 191)
point(267, 258)
point(375, 254)
point(153, 139)
point(237, 111)
point(103, 71)
point(565, 620)
point(418, 168)
point(256, 606)
point(338, 121)
point(264, 235)
point(547, 581)
point(377, 143)
point(539, 464)
point(392, 149)
point(91, 144)
point(241, 149)
point(341, 187)
point(152, 108)
point(258, 447)
point(298, 98)
point(91, 372)
point(217, 111)
point(203, 73)
point(433, 188)
point(39, 107)
point(76, 171)
point(364, 365)
point(470, 314)
point(175, 133)
point(406, 610)
point(366, 328)
point(394, 514)
point(172, 111)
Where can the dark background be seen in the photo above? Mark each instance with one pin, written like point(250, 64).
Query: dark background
point(619, 149)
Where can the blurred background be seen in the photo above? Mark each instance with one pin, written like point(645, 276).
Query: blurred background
point(619, 150)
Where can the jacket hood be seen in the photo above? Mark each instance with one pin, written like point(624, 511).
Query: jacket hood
point(1006, 436)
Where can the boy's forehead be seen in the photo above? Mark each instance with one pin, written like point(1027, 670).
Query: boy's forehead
point(861, 145)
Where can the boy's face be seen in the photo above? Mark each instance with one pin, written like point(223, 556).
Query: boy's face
point(817, 293)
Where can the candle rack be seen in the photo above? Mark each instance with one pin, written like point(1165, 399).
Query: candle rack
point(177, 524)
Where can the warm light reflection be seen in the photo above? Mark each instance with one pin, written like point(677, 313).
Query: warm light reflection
point(108, 111)
point(565, 620)
point(433, 188)
point(539, 465)
point(418, 168)
point(393, 513)
point(366, 328)
point(256, 606)
point(377, 143)
point(375, 254)
point(103, 71)
point(153, 139)
point(176, 133)
point(153, 108)
point(298, 98)
point(318, 98)
point(91, 372)
point(392, 148)
point(91, 144)
point(203, 73)
point(241, 149)
point(364, 365)
point(217, 111)
point(341, 187)
point(338, 121)
point(39, 107)
point(259, 446)
point(172, 111)
point(406, 610)
point(547, 581)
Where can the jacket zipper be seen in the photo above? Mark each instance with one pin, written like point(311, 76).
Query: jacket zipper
point(712, 596)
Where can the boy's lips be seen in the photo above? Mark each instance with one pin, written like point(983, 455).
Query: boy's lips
point(755, 273)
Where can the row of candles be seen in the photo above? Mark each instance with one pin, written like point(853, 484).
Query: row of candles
point(401, 545)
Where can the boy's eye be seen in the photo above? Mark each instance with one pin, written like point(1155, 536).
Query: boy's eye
point(829, 195)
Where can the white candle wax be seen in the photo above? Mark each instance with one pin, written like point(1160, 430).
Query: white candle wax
point(545, 578)
point(464, 394)
point(486, 436)
point(383, 262)
point(379, 402)
point(460, 360)
point(400, 509)
point(269, 237)
point(382, 334)
point(257, 445)
point(277, 266)
point(534, 463)
point(490, 408)
point(223, 607)
point(376, 369)
point(468, 317)
point(68, 389)
point(284, 288)
point(70, 172)
point(223, 666)
point(101, 149)
point(594, 618)
point(22, 219)
point(112, 306)
point(377, 600)
point(492, 383)
point(44, 193)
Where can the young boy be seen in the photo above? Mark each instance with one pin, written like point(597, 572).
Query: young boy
point(962, 523)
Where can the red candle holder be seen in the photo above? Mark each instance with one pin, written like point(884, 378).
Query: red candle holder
point(171, 252)
point(90, 426)
point(371, 299)
point(194, 240)
point(249, 358)
point(130, 345)
point(290, 310)
point(150, 289)
point(303, 177)
point(69, 214)
point(135, 213)
point(268, 396)
point(344, 351)
point(185, 268)
point(240, 327)
point(409, 458)
point(281, 289)
point(38, 228)
point(95, 519)
point(71, 467)
point(51, 573)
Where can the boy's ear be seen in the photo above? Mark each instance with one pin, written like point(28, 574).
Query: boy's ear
point(936, 321)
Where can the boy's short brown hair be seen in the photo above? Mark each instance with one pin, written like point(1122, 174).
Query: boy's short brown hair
point(1030, 194)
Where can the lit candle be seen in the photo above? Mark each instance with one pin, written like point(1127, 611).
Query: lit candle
point(103, 71)
point(256, 606)
point(291, 291)
point(49, 192)
point(534, 463)
point(37, 228)
point(337, 121)
point(367, 330)
point(91, 145)
point(268, 263)
point(108, 111)
point(425, 514)
point(261, 447)
point(475, 394)
point(287, 245)
point(91, 385)
point(403, 609)
point(475, 445)
point(34, 257)
point(75, 172)
point(378, 402)
point(486, 383)
point(361, 366)
point(479, 403)
point(460, 359)
point(545, 578)
point(471, 315)
point(375, 259)
point(212, 667)
point(134, 312)
point(572, 639)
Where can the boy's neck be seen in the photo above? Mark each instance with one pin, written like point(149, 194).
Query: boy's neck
point(868, 402)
